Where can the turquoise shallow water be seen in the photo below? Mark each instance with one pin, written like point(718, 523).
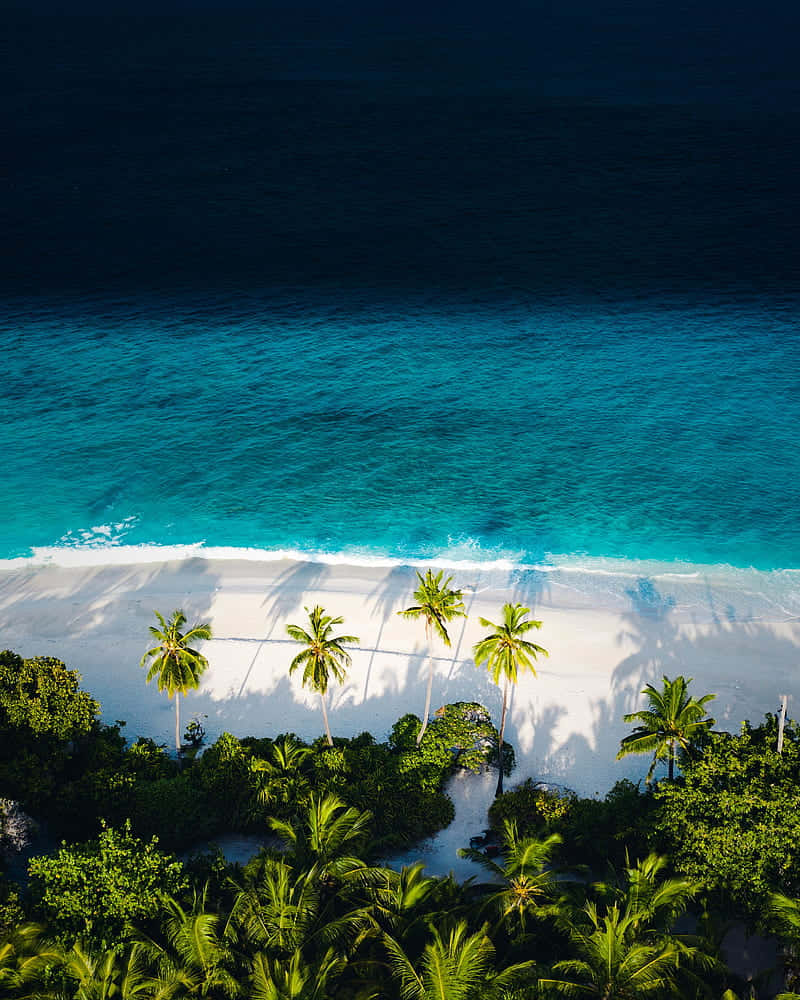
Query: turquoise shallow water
point(404, 284)
point(482, 430)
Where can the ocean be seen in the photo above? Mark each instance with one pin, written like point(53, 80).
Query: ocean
point(511, 288)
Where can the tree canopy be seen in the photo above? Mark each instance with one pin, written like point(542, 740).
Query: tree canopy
point(733, 818)
point(41, 697)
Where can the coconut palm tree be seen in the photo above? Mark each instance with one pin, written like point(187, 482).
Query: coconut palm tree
point(324, 655)
point(610, 964)
point(23, 955)
point(674, 721)
point(110, 975)
point(282, 778)
point(293, 978)
point(506, 651)
point(277, 908)
point(786, 913)
point(329, 836)
point(524, 878)
point(399, 905)
point(175, 665)
point(454, 965)
point(437, 604)
point(624, 948)
point(191, 954)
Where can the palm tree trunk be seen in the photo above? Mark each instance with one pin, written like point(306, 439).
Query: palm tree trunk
point(671, 759)
point(499, 789)
point(325, 717)
point(177, 724)
point(421, 733)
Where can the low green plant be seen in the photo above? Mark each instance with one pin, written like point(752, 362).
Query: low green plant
point(93, 890)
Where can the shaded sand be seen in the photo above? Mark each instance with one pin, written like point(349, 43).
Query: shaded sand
point(607, 634)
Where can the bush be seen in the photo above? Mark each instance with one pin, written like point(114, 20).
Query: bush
point(594, 831)
point(732, 819)
point(42, 698)
point(91, 891)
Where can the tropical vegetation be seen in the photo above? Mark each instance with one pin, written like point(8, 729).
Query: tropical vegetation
point(617, 898)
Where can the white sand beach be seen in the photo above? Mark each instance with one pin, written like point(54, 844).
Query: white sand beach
point(607, 636)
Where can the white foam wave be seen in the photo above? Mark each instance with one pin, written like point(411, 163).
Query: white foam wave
point(103, 548)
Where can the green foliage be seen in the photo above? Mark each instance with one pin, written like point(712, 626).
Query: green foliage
point(175, 666)
point(176, 811)
point(12, 907)
point(147, 760)
point(672, 726)
point(56, 759)
point(594, 831)
point(465, 729)
point(226, 774)
point(92, 890)
point(41, 697)
point(733, 819)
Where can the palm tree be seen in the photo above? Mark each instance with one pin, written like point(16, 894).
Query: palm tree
point(786, 913)
point(23, 956)
point(610, 964)
point(192, 955)
point(329, 836)
point(293, 978)
point(277, 908)
point(454, 965)
point(527, 880)
point(110, 975)
point(437, 604)
point(506, 651)
point(625, 949)
point(673, 721)
point(399, 904)
point(282, 777)
point(175, 665)
point(323, 655)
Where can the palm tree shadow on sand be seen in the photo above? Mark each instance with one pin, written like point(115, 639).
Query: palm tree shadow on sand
point(387, 599)
point(283, 599)
point(100, 628)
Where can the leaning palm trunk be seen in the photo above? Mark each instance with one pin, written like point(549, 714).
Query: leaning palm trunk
point(178, 723)
point(499, 789)
point(424, 726)
point(427, 712)
point(325, 717)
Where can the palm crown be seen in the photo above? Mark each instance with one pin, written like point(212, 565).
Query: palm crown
point(324, 654)
point(673, 721)
point(437, 603)
point(505, 651)
point(176, 667)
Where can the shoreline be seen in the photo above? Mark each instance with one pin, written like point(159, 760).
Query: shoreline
point(607, 634)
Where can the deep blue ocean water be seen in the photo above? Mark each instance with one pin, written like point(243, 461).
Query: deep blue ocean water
point(483, 285)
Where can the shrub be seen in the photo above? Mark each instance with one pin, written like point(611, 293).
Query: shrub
point(93, 890)
point(594, 831)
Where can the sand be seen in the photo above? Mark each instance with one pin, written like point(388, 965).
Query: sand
point(607, 635)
